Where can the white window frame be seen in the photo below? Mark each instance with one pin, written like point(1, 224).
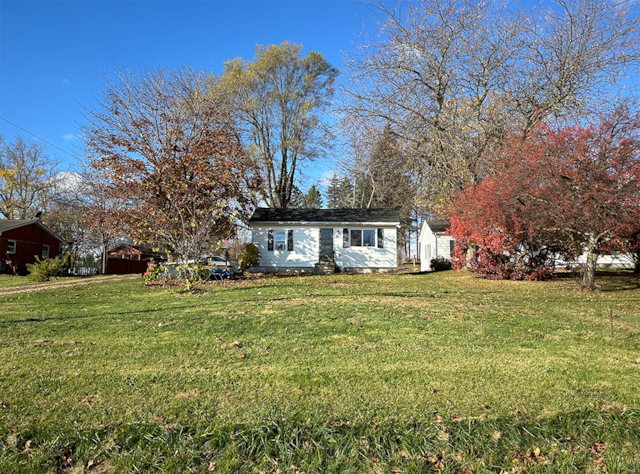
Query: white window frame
point(15, 246)
point(280, 244)
point(48, 250)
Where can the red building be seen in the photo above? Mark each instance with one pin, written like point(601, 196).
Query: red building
point(20, 242)
point(127, 258)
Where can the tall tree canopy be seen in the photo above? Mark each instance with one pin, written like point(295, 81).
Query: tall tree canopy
point(280, 97)
point(565, 188)
point(167, 147)
point(28, 179)
point(453, 76)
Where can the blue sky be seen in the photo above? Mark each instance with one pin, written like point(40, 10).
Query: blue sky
point(52, 52)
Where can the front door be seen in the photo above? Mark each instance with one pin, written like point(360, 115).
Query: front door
point(326, 242)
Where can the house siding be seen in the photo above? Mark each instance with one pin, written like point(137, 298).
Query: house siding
point(353, 258)
point(433, 245)
point(29, 241)
point(306, 249)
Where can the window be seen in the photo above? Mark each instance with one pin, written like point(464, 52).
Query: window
point(281, 240)
point(356, 238)
point(368, 238)
point(452, 244)
point(45, 251)
point(363, 238)
point(11, 246)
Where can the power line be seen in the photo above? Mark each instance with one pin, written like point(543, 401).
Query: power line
point(42, 139)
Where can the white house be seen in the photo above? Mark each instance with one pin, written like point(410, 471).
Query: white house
point(325, 240)
point(434, 243)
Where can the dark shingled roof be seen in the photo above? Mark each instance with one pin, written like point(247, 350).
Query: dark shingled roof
point(8, 224)
point(438, 225)
point(325, 215)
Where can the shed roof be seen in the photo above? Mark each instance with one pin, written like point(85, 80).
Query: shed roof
point(383, 215)
point(438, 225)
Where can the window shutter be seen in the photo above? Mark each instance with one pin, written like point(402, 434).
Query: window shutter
point(270, 241)
point(345, 238)
point(452, 244)
point(380, 238)
point(290, 240)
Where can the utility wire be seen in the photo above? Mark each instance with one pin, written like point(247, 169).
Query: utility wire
point(42, 139)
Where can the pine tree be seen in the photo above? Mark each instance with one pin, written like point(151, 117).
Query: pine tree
point(313, 199)
point(297, 198)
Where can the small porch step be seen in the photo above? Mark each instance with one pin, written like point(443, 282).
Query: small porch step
point(326, 265)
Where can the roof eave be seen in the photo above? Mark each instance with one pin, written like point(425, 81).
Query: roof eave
point(326, 223)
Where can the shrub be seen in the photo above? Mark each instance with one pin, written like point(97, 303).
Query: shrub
point(439, 264)
point(44, 270)
point(249, 257)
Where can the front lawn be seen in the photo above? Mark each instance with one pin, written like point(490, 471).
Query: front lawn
point(379, 373)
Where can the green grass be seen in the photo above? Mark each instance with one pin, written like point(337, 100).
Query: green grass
point(359, 373)
point(8, 281)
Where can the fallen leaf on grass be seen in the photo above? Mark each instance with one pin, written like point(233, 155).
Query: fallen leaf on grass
point(212, 466)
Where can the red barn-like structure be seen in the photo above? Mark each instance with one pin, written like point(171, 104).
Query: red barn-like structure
point(128, 258)
point(21, 240)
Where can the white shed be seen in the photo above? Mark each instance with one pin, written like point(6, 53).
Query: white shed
point(434, 243)
point(325, 240)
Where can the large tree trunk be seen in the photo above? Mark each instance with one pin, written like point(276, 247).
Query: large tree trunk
point(104, 258)
point(589, 276)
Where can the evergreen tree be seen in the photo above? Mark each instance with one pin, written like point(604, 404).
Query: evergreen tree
point(297, 198)
point(339, 193)
point(313, 199)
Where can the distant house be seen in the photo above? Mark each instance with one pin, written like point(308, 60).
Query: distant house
point(434, 242)
point(128, 258)
point(22, 240)
point(325, 240)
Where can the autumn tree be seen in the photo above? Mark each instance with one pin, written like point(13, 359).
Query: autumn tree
point(563, 188)
point(454, 76)
point(280, 97)
point(28, 179)
point(166, 144)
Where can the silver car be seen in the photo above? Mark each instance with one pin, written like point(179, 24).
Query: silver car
point(222, 263)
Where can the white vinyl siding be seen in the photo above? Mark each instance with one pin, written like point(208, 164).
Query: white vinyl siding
point(306, 248)
point(367, 254)
point(433, 246)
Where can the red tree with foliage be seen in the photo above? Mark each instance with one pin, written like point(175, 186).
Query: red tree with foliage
point(563, 189)
point(166, 143)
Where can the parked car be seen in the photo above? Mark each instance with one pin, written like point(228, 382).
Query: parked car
point(215, 261)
